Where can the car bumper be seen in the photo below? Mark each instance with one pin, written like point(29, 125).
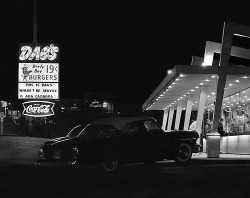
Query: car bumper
point(61, 164)
point(44, 162)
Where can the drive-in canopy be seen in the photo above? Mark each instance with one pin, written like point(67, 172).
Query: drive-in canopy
point(185, 80)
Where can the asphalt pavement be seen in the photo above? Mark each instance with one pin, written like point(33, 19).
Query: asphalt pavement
point(19, 150)
point(23, 150)
point(226, 176)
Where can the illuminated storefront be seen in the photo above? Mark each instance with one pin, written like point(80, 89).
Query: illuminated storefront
point(235, 114)
point(213, 90)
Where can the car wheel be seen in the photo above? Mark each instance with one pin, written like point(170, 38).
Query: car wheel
point(110, 165)
point(184, 153)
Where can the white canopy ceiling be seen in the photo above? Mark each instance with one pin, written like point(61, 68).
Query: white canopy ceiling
point(185, 80)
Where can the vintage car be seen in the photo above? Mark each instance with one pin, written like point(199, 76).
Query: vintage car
point(114, 141)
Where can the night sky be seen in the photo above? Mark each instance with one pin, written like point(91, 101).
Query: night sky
point(112, 46)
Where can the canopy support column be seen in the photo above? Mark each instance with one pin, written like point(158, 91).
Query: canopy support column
point(178, 114)
point(188, 111)
point(165, 118)
point(202, 103)
point(170, 118)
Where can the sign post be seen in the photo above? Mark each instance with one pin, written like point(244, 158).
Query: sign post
point(1, 117)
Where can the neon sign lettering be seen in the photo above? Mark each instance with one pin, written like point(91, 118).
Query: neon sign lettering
point(46, 53)
point(39, 109)
point(95, 104)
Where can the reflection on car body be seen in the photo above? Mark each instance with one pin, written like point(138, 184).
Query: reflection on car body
point(110, 142)
point(74, 132)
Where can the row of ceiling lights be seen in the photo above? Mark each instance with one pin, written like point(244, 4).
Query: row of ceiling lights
point(191, 90)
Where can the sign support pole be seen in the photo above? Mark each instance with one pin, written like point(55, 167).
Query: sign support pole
point(35, 22)
point(1, 125)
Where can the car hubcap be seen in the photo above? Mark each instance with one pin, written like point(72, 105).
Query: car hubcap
point(183, 153)
point(110, 165)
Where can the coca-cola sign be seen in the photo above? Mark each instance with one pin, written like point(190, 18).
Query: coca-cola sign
point(38, 108)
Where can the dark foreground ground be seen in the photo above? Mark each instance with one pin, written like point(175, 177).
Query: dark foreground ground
point(132, 182)
point(20, 178)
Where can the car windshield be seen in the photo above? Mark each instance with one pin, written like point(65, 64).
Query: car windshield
point(98, 131)
point(75, 131)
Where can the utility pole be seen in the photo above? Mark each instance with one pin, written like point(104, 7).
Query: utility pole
point(30, 125)
point(35, 21)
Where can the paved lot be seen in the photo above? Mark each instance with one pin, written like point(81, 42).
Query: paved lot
point(19, 150)
point(227, 176)
point(164, 180)
point(23, 150)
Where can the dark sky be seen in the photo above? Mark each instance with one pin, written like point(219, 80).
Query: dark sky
point(124, 47)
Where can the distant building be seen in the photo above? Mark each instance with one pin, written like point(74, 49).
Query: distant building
point(68, 112)
point(101, 101)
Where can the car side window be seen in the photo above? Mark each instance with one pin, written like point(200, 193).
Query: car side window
point(108, 131)
point(134, 127)
point(99, 132)
point(92, 132)
point(150, 125)
point(129, 128)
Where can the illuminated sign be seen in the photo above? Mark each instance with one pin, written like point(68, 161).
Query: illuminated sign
point(3, 103)
point(38, 108)
point(42, 52)
point(38, 91)
point(14, 113)
point(38, 71)
point(95, 104)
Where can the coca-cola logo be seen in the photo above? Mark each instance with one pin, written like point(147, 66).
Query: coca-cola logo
point(38, 108)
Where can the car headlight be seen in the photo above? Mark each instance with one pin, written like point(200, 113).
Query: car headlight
point(75, 154)
point(57, 154)
point(40, 154)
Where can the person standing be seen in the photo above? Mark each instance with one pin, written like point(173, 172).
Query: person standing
point(220, 127)
point(207, 126)
point(234, 127)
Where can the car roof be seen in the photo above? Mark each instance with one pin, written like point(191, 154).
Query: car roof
point(119, 122)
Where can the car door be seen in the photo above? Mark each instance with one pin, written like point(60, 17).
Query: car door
point(141, 138)
point(131, 142)
point(89, 146)
point(155, 141)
